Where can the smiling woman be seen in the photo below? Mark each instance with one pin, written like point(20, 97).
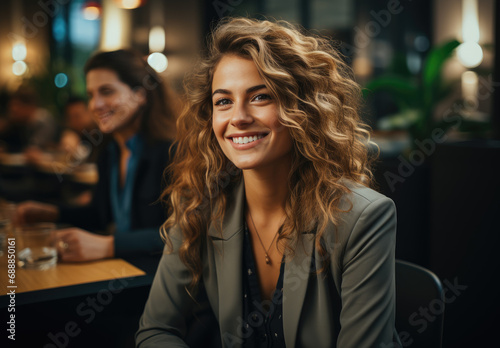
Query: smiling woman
point(245, 117)
point(114, 104)
point(272, 216)
point(134, 107)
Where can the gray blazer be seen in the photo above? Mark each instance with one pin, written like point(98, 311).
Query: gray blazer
point(351, 306)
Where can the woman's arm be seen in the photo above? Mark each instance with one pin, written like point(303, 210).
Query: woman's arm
point(138, 242)
point(368, 284)
point(163, 323)
point(32, 212)
point(80, 245)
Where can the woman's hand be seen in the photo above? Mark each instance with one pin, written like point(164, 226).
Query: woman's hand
point(77, 245)
point(31, 212)
point(33, 155)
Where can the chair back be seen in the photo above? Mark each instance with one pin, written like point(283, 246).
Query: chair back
point(419, 306)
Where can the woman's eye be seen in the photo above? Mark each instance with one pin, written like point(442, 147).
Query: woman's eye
point(262, 97)
point(106, 91)
point(222, 102)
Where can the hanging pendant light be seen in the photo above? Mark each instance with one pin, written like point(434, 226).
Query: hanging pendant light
point(470, 53)
point(91, 10)
point(129, 4)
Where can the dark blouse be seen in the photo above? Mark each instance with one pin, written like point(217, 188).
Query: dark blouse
point(263, 319)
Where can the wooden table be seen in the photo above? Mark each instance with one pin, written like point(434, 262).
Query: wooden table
point(66, 274)
point(102, 301)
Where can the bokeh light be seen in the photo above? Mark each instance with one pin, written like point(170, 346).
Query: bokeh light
point(19, 51)
point(91, 11)
point(61, 80)
point(158, 61)
point(156, 39)
point(19, 68)
point(470, 54)
point(129, 4)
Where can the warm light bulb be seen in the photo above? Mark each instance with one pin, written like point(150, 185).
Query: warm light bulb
point(91, 13)
point(470, 21)
point(128, 4)
point(19, 51)
point(158, 61)
point(470, 54)
point(19, 68)
point(156, 39)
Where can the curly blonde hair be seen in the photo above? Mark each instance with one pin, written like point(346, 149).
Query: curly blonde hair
point(318, 102)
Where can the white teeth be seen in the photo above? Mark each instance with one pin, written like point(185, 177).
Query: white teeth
point(246, 140)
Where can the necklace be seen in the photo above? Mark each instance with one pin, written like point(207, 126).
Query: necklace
point(268, 260)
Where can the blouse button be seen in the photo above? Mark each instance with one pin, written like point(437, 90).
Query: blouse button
point(249, 271)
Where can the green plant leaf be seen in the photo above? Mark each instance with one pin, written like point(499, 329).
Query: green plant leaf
point(401, 89)
point(433, 65)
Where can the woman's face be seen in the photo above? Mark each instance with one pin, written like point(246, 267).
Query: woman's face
point(245, 116)
point(113, 103)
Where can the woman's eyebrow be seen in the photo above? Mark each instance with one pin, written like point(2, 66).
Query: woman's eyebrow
point(249, 90)
point(221, 91)
point(255, 88)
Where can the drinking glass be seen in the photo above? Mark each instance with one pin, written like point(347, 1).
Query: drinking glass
point(36, 246)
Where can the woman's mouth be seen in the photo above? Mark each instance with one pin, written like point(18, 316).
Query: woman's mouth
point(105, 115)
point(247, 139)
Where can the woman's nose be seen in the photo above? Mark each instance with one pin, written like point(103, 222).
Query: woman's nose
point(95, 103)
point(241, 115)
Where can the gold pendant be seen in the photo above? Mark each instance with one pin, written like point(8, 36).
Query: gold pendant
point(268, 261)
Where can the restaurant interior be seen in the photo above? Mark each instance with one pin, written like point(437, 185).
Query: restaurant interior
point(430, 77)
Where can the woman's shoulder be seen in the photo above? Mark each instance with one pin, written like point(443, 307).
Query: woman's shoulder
point(360, 196)
point(363, 205)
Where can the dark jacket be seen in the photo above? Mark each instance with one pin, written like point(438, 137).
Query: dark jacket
point(147, 212)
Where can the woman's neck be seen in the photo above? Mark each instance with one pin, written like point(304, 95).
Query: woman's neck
point(122, 138)
point(122, 135)
point(266, 190)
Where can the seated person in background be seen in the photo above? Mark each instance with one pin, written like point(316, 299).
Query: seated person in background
point(130, 102)
point(79, 127)
point(273, 217)
point(28, 127)
point(80, 143)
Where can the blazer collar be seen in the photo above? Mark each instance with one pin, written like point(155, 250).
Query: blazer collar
point(228, 260)
point(233, 217)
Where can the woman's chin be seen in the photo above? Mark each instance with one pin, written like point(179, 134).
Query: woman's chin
point(106, 128)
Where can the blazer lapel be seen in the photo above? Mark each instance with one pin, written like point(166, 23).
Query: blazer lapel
point(296, 278)
point(228, 263)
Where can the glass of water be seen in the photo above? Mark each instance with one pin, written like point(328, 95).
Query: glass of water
point(36, 246)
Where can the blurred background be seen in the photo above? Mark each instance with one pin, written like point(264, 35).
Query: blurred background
point(430, 76)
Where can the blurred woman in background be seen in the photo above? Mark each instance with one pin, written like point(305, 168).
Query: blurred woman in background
point(131, 103)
